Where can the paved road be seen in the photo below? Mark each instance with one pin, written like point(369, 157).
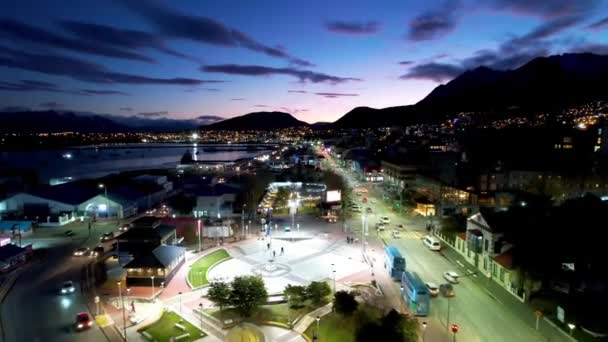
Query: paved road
point(34, 311)
point(480, 315)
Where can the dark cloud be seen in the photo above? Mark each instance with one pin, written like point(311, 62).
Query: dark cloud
point(297, 91)
point(14, 109)
point(30, 85)
point(126, 39)
point(549, 9)
point(51, 105)
point(208, 119)
point(256, 70)
point(103, 92)
point(434, 23)
point(81, 70)
point(335, 95)
point(406, 62)
point(351, 27)
point(153, 114)
point(437, 72)
point(600, 49)
point(203, 29)
point(17, 32)
point(599, 25)
point(126, 109)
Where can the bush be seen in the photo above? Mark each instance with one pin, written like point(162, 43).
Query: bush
point(345, 303)
point(317, 291)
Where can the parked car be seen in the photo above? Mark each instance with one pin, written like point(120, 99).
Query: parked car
point(107, 237)
point(67, 287)
point(83, 321)
point(400, 227)
point(385, 219)
point(396, 234)
point(369, 210)
point(380, 227)
point(447, 290)
point(433, 289)
point(68, 233)
point(364, 200)
point(451, 277)
point(287, 228)
point(82, 251)
point(373, 201)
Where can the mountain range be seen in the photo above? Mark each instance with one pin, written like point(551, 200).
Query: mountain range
point(544, 83)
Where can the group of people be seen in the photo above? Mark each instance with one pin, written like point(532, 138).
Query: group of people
point(350, 239)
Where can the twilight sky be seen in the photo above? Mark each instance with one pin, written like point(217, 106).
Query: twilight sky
point(316, 59)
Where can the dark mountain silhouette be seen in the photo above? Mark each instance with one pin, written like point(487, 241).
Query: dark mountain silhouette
point(259, 121)
point(544, 83)
point(55, 121)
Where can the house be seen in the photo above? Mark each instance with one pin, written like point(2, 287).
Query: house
point(12, 256)
point(155, 267)
point(484, 237)
point(145, 234)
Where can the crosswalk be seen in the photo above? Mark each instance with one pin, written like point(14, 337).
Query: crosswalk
point(406, 235)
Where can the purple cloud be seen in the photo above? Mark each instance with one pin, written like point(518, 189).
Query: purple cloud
point(437, 72)
point(335, 95)
point(297, 91)
point(127, 39)
point(203, 29)
point(599, 25)
point(104, 92)
point(353, 28)
point(18, 32)
point(83, 71)
point(434, 23)
point(256, 70)
point(549, 9)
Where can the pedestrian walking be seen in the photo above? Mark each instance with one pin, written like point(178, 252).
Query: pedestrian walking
point(274, 254)
point(268, 246)
point(282, 251)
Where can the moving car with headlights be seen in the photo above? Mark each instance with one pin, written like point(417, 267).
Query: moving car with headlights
point(431, 243)
point(107, 237)
point(385, 220)
point(82, 251)
point(83, 321)
point(433, 289)
point(447, 290)
point(67, 287)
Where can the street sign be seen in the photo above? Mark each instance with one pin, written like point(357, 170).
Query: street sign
point(454, 328)
point(560, 314)
point(538, 313)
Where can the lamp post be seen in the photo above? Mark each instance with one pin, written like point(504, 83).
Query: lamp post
point(180, 302)
point(128, 293)
point(105, 192)
point(333, 271)
point(447, 323)
point(243, 221)
point(454, 331)
point(571, 326)
point(318, 320)
point(423, 331)
point(199, 234)
point(152, 279)
point(200, 309)
point(124, 317)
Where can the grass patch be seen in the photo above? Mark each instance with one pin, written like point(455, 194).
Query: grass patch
point(165, 328)
point(266, 313)
point(334, 327)
point(197, 275)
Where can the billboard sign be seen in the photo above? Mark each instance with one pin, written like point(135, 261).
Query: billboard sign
point(333, 196)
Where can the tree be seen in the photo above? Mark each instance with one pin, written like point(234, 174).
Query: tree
point(345, 303)
point(391, 327)
point(282, 197)
point(317, 291)
point(296, 295)
point(219, 293)
point(183, 204)
point(248, 293)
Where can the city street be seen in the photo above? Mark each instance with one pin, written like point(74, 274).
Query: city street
point(479, 315)
point(35, 310)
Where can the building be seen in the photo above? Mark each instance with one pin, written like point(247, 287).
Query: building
point(217, 201)
point(484, 238)
point(12, 256)
point(155, 267)
point(400, 174)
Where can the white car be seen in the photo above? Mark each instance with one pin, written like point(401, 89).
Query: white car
point(380, 227)
point(433, 288)
point(396, 234)
point(451, 277)
point(82, 251)
point(385, 219)
point(67, 287)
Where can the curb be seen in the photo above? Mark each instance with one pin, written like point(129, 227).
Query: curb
point(207, 272)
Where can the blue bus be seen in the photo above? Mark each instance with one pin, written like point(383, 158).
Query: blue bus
point(394, 262)
point(415, 294)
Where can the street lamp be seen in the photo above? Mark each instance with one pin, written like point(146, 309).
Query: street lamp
point(128, 293)
point(124, 317)
point(423, 330)
point(200, 309)
point(447, 323)
point(333, 271)
point(318, 320)
point(180, 302)
point(152, 279)
point(571, 326)
point(105, 192)
point(199, 234)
